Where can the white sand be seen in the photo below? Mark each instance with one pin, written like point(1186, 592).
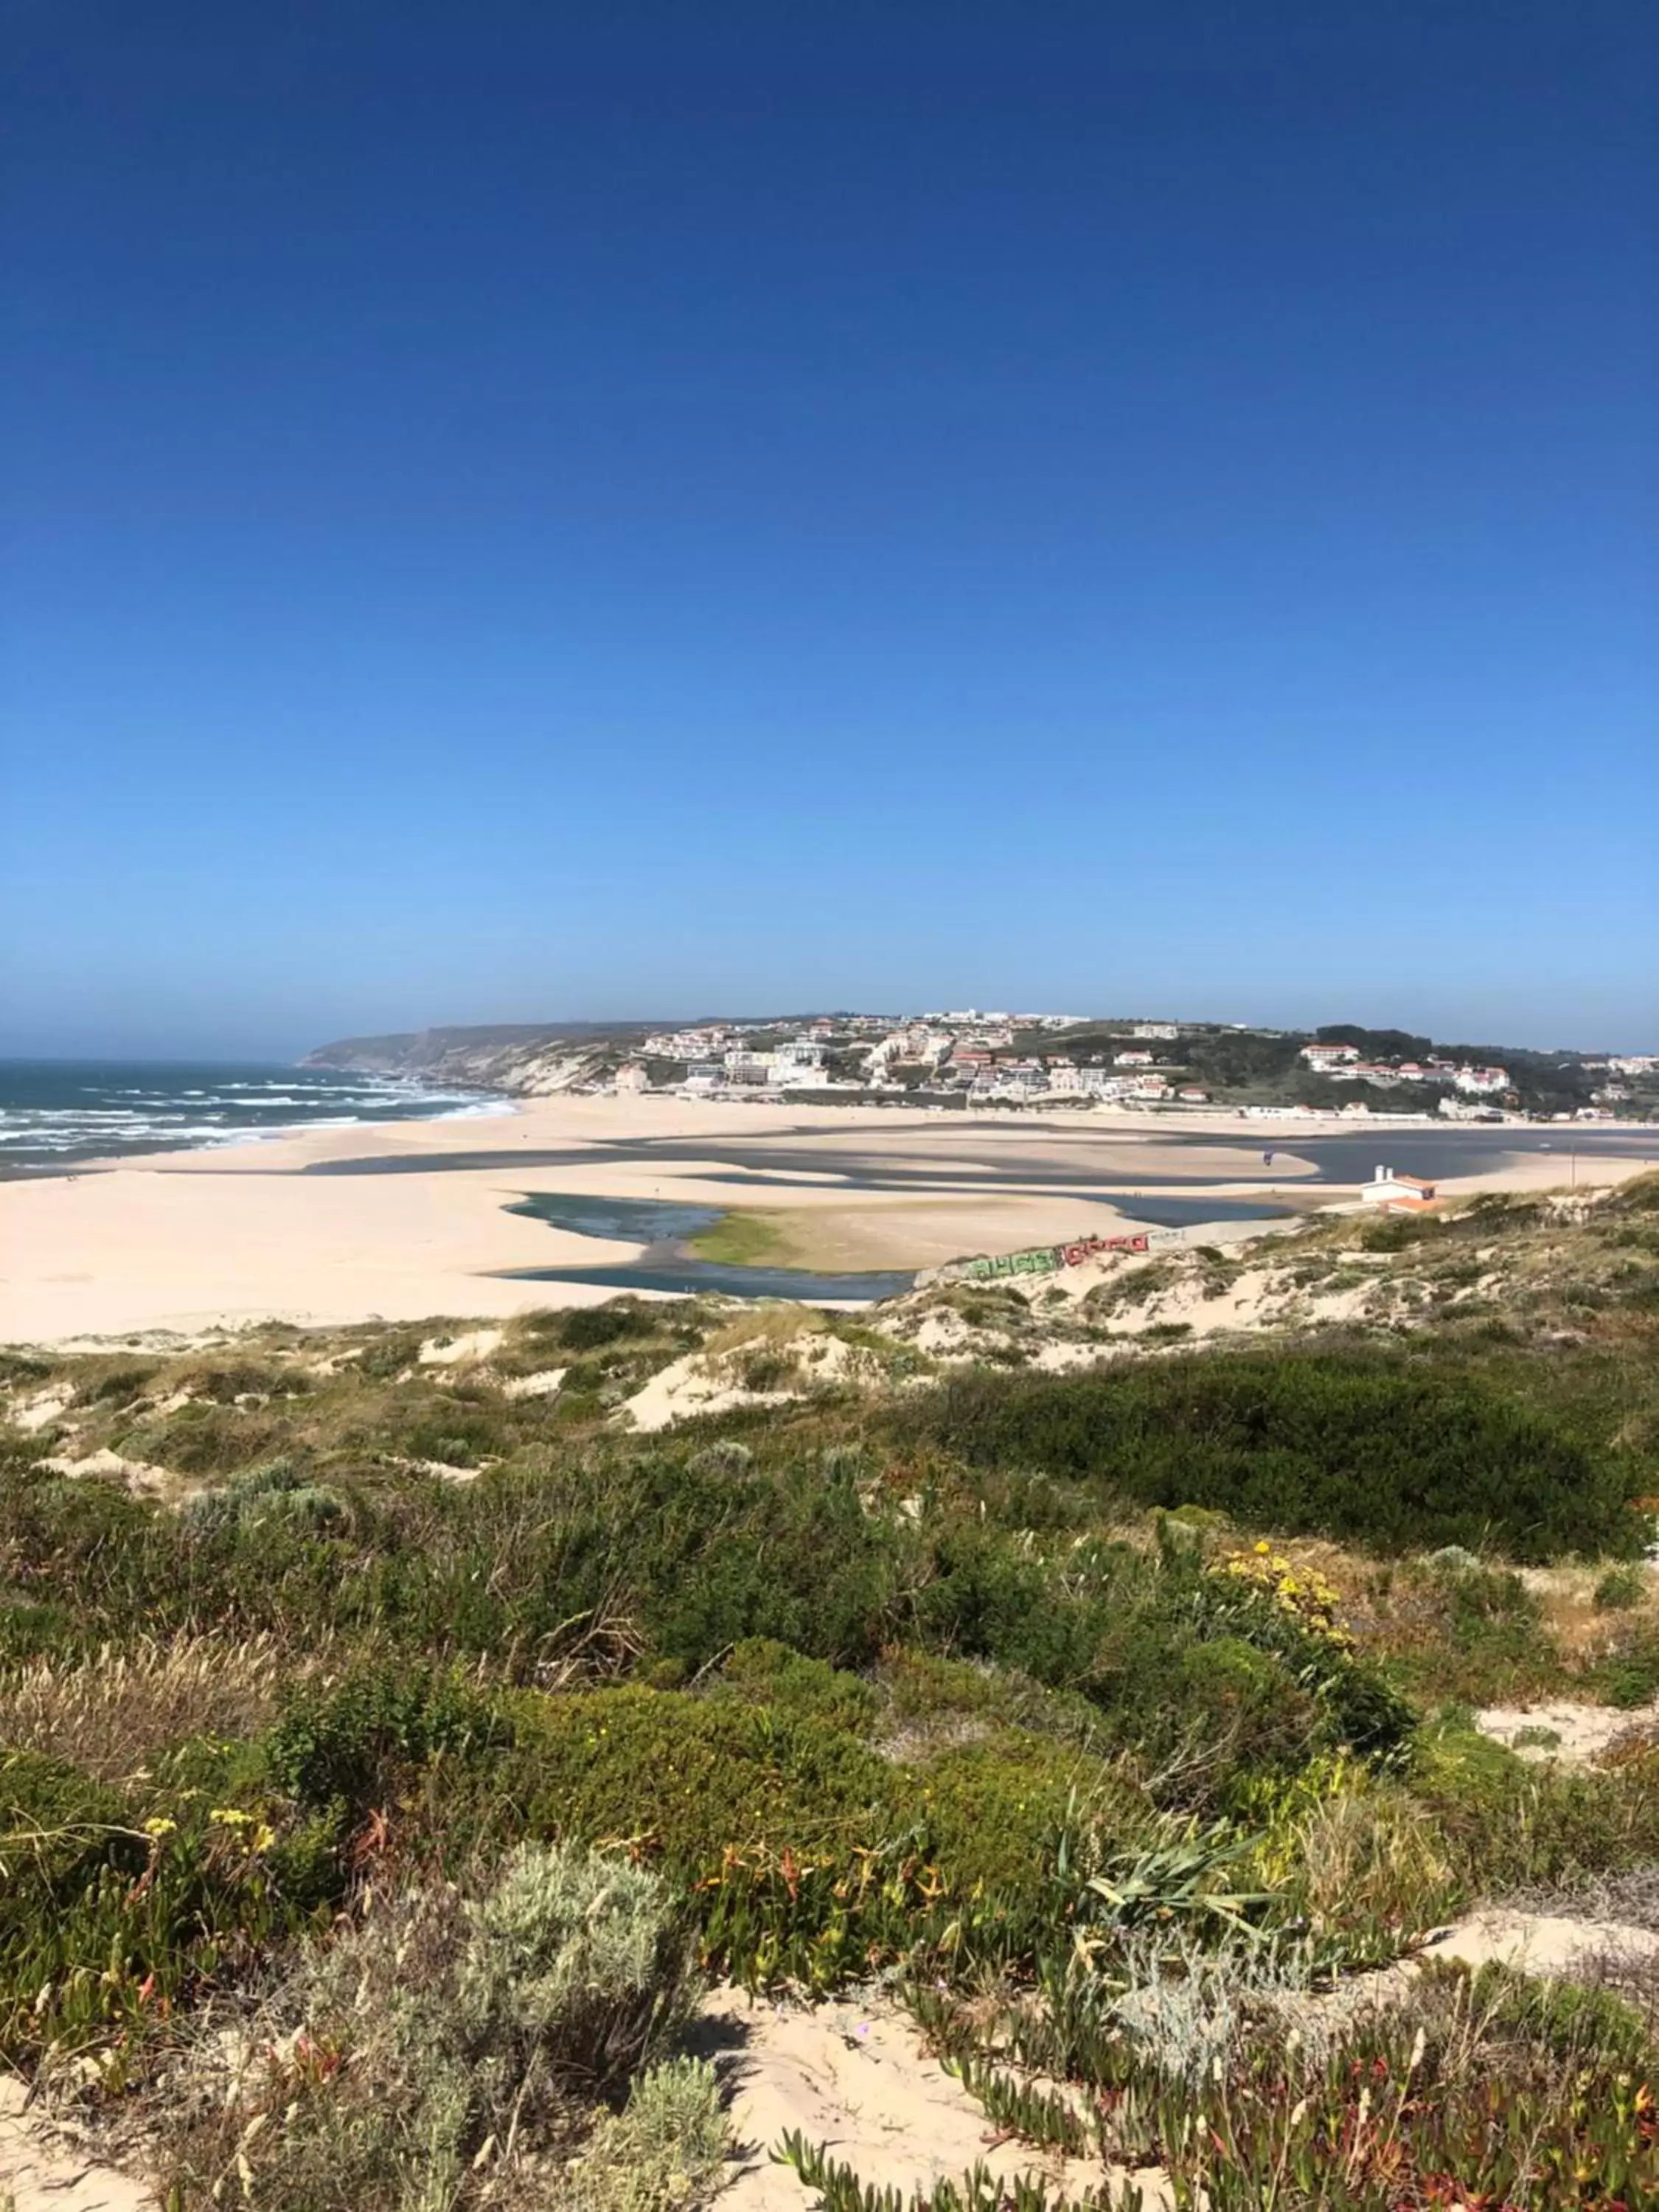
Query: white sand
point(194, 1241)
point(855, 2074)
point(44, 2168)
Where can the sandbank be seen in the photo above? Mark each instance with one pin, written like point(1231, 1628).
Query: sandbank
point(196, 1241)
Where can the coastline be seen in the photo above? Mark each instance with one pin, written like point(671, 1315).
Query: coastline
point(62, 1117)
point(405, 1220)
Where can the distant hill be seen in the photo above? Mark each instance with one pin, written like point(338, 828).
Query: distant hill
point(523, 1057)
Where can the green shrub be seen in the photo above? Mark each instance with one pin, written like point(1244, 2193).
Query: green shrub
point(1397, 1455)
point(1246, 1702)
point(1628, 1673)
point(1621, 1588)
point(1506, 1823)
point(115, 1385)
point(589, 1328)
point(923, 1688)
point(389, 1354)
point(687, 1777)
point(769, 1673)
point(205, 1438)
point(994, 1811)
point(279, 1491)
point(348, 1744)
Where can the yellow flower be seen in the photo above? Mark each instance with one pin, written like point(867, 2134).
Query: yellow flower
point(159, 1826)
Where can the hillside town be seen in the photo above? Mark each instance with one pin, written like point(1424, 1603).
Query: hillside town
point(970, 1057)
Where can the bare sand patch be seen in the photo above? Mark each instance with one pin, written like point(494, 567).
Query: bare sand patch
point(43, 2168)
point(1565, 1728)
point(1539, 1942)
point(855, 2074)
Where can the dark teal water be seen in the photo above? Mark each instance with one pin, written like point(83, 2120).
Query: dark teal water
point(1339, 1157)
point(662, 1225)
point(687, 1277)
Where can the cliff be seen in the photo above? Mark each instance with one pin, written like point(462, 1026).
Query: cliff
point(523, 1058)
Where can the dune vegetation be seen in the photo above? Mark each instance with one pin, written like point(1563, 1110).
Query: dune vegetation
point(396, 1737)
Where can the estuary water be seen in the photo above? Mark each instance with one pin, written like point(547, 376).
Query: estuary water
point(663, 1226)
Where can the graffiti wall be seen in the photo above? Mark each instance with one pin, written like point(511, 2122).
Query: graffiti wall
point(1041, 1258)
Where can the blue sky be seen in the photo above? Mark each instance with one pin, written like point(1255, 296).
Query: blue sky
point(525, 510)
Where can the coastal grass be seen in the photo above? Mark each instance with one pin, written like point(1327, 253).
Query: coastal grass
point(743, 1238)
point(1110, 1714)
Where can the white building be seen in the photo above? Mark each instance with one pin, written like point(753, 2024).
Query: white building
point(746, 1066)
point(1162, 1032)
point(1324, 1057)
point(1388, 1189)
point(800, 1063)
point(631, 1079)
point(1482, 1081)
point(1132, 1060)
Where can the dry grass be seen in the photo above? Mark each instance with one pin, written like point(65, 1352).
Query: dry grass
point(110, 1713)
point(1582, 1629)
point(766, 1323)
point(1365, 1857)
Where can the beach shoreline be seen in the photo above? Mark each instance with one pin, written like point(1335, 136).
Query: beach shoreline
point(405, 1220)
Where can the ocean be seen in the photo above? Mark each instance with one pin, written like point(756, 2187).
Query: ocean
point(54, 1113)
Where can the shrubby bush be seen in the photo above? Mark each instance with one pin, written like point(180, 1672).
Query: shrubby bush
point(258, 1496)
point(348, 1744)
point(1364, 1447)
point(449, 2047)
point(683, 1778)
point(665, 2150)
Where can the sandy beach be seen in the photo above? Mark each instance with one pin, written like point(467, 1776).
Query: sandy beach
point(408, 1220)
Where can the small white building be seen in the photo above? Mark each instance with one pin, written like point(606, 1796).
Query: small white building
point(1483, 1081)
point(631, 1079)
point(1403, 1191)
point(1320, 1057)
point(1132, 1060)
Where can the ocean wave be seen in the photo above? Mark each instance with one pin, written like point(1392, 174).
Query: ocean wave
point(51, 1116)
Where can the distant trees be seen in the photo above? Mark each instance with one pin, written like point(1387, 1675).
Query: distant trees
point(1376, 1044)
point(1236, 1058)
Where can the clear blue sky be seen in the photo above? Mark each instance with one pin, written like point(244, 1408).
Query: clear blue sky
point(524, 510)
